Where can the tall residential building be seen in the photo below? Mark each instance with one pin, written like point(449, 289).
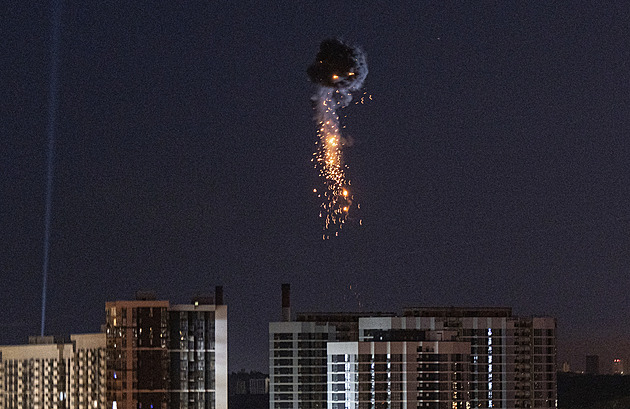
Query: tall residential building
point(397, 373)
point(198, 356)
point(297, 355)
point(426, 357)
point(137, 358)
point(297, 364)
point(165, 356)
point(512, 359)
point(592, 364)
point(54, 373)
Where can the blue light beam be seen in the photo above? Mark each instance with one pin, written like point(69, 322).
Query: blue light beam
point(50, 130)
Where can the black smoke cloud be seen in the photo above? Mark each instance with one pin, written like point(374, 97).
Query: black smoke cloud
point(338, 65)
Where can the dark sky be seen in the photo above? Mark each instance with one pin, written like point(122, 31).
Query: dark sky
point(491, 163)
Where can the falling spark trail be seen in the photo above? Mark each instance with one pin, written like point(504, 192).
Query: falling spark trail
point(329, 160)
point(338, 70)
point(50, 130)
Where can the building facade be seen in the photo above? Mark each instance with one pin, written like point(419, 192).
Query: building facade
point(398, 375)
point(592, 364)
point(297, 364)
point(298, 357)
point(198, 356)
point(426, 357)
point(162, 356)
point(512, 359)
point(248, 390)
point(54, 373)
point(137, 358)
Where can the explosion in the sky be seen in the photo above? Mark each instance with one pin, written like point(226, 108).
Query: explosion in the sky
point(338, 70)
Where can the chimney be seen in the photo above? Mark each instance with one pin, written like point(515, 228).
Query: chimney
point(218, 295)
point(286, 302)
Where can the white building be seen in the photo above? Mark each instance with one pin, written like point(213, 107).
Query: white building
point(512, 359)
point(434, 358)
point(398, 374)
point(51, 373)
point(198, 352)
point(297, 364)
point(438, 358)
point(297, 354)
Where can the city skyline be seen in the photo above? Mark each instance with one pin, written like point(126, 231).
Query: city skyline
point(490, 163)
point(606, 365)
point(426, 357)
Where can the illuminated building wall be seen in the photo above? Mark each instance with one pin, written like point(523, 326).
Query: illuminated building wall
point(513, 359)
point(198, 356)
point(137, 358)
point(162, 356)
point(90, 371)
point(54, 373)
point(297, 356)
point(398, 375)
point(297, 364)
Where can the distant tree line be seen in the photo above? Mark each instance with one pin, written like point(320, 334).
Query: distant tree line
point(583, 391)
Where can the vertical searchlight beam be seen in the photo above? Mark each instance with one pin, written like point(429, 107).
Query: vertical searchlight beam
point(50, 130)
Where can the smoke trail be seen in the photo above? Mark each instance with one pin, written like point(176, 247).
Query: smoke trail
point(50, 130)
point(338, 70)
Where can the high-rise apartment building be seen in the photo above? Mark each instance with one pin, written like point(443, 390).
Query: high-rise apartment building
point(512, 359)
point(297, 355)
point(54, 373)
point(198, 356)
point(166, 356)
point(397, 374)
point(426, 357)
point(297, 364)
point(592, 364)
point(137, 358)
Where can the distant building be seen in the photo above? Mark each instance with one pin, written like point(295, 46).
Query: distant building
point(592, 364)
point(259, 386)
point(167, 356)
point(53, 372)
point(426, 358)
point(248, 390)
point(617, 366)
point(248, 383)
point(566, 367)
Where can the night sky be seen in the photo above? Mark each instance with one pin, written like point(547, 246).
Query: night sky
point(491, 165)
